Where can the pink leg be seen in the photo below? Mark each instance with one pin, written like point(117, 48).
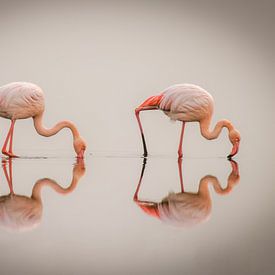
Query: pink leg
point(8, 175)
point(4, 149)
point(181, 138)
point(145, 152)
point(9, 139)
point(180, 174)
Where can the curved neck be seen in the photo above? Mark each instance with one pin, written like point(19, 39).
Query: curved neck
point(204, 182)
point(205, 124)
point(36, 191)
point(47, 132)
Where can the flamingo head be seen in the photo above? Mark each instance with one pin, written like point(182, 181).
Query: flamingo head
point(235, 138)
point(79, 147)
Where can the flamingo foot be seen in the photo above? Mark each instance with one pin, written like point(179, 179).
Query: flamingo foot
point(9, 154)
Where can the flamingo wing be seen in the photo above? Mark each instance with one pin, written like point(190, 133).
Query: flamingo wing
point(186, 102)
point(21, 100)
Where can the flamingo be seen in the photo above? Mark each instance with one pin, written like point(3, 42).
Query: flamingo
point(20, 100)
point(21, 213)
point(184, 208)
point(188, 103)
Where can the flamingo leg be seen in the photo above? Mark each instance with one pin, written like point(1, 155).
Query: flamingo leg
point(4, 148)
point(180, 174)
point(8, 175)
point(181, 139)
point(137, 111)
point(9, 140)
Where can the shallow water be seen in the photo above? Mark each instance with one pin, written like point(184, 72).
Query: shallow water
point(98, 222)
point(96, 61)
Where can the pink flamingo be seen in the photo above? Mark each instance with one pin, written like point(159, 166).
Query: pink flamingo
point(21, 213)
point(186, 208)
point(187, 103)
point(20, 100)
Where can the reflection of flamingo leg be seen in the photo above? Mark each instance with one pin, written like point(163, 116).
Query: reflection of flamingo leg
point(9, 140)
point(150, 207)
point(8, 175)
point(136, 199)
point(181, 138)
point(140, 180)
point(180, 174)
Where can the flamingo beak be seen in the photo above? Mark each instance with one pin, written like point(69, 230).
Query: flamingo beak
point(234, 151)
point(80, 155)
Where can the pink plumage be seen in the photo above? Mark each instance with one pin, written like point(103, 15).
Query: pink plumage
point(21, 100)
point(185, 208)
point(21, 213)
point(188, 103)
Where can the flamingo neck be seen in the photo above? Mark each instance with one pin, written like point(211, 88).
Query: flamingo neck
point(204, 182)
point(205, 124)
point(203, 187)
point(47, 132)
point(36, 192)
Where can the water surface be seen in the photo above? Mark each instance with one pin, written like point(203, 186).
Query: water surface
point(97, 228)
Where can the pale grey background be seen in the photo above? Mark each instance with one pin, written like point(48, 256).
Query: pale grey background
point(96, 61)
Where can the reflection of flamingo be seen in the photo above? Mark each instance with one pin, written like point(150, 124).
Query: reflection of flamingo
point(186, 103)
point(187, 209)
point(19, 100)
point(19, 212)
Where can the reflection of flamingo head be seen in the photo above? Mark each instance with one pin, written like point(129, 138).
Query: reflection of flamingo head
point(20, 213)
point(186, 209)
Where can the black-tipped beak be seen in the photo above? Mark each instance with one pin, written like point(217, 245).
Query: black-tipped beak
point(234, 151)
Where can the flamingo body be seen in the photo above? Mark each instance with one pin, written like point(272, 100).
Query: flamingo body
point(185, 208)
point(20, 100)
point(186, 102)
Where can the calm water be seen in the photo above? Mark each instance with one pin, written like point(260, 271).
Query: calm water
point(96, 61)
point(93, 225)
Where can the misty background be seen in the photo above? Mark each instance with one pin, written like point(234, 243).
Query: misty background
point(97, 60)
